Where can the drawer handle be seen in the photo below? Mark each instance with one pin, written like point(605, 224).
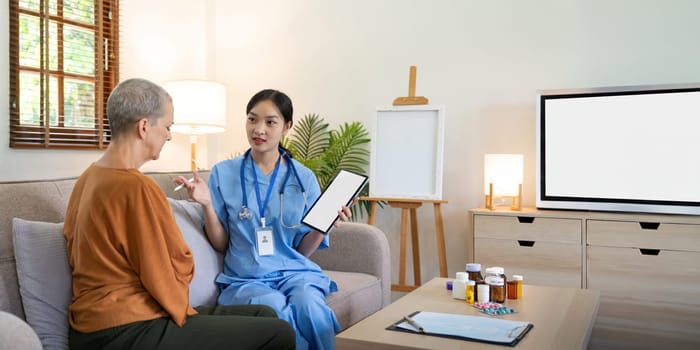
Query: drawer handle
point(526, 243)
point(649, 251)
point(649, 225)
point(526, 219)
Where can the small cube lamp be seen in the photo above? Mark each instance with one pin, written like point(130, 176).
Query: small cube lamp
point(503, 177)
point(200, 108)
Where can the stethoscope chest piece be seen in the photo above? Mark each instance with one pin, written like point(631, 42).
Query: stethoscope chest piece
point(245, 213)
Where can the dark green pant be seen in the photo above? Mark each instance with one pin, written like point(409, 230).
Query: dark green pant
point(221, 327)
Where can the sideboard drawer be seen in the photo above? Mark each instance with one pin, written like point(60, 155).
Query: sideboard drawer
point(670, 276)
point(540, 262)
point(528, 228)
point(653, 235)
point(646, 301)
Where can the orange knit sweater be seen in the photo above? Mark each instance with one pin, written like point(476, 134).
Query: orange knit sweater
point(128, 258)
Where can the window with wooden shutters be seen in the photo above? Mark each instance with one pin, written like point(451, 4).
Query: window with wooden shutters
point(63, 65)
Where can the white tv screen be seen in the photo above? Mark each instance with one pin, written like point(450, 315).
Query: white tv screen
point(633, 149)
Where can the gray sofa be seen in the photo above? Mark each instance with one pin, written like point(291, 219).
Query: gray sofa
point(358, 259)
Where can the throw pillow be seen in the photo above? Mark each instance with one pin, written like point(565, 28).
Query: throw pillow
point(44, 279)
point(207, 261)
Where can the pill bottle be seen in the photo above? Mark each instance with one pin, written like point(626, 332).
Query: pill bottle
point(471, 291)
point(512, 289)
point(482, 290)
point(474, 272)
point(496, 271)
point(497, 288)
point(519, 288)
point(459, 286)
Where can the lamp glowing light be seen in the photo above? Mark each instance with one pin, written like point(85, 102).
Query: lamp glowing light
point(200, 108)
point(503, 177)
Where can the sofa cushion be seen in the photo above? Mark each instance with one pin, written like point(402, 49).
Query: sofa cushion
point(44, 279)
point(207, 261)
point(15, 334)
point(359, 295)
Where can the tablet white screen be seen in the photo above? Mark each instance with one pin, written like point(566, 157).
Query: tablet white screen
point(339, 192)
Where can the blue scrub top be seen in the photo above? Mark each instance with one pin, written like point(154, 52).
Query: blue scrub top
point(242, 260)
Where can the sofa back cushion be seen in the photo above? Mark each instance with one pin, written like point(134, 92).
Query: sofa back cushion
point(31, 200)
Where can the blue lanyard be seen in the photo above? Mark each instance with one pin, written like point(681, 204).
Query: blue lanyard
point(261, 205)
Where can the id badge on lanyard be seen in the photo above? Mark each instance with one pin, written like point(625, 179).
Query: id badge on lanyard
point(264, 238)
point(263, 235)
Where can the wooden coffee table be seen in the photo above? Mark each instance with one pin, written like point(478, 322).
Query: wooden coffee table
point(562, 319)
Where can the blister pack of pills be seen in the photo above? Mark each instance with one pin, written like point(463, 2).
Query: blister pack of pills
point(494, 309)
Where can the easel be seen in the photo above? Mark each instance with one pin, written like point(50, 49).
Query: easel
point(409, 206)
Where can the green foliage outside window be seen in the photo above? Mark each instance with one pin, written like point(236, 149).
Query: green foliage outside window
point(77, 45)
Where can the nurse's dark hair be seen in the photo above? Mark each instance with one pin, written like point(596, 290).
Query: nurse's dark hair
point(281, 100)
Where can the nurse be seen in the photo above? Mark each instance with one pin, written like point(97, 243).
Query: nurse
point(253, 207)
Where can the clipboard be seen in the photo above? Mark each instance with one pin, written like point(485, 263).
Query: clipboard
point(323, 213)
point(466, 327)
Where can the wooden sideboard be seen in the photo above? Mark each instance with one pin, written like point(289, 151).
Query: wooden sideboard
point(646, 267)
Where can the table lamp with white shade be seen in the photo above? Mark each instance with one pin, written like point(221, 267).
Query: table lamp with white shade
point(503, 177)
point(200, 108)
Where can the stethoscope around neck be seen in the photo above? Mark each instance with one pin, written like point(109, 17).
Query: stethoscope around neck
point(245, 213)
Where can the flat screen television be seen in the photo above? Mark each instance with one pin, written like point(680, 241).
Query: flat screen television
point(619, 149)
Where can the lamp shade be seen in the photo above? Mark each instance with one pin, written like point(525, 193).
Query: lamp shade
point(505, 172)
point(200, 106)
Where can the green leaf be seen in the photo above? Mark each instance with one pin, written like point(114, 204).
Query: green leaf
point(310, 137)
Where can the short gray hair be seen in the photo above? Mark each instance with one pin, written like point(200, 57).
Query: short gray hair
point(132, 100)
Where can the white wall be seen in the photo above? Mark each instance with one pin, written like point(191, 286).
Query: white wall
point(165, 40)
point(483, 60)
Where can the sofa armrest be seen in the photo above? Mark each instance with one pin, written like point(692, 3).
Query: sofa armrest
point(16, 334)
point(357, 247)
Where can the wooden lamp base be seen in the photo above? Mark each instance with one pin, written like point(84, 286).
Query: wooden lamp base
point(516, 201)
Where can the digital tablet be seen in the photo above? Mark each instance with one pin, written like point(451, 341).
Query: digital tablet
point(345, 186)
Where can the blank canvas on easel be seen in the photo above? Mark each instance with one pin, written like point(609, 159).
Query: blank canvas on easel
point(407, 152)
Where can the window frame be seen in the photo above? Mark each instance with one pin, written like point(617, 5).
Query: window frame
point(106, 76)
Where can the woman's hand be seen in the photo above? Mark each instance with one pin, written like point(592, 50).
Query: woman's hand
point(198, 189)
point(311, 241)
point(344, 213)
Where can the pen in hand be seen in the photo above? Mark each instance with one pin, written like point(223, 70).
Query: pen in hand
point(414, 324)
point(180, 186)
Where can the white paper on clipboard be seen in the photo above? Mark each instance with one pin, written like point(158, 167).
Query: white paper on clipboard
point(342, 189)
